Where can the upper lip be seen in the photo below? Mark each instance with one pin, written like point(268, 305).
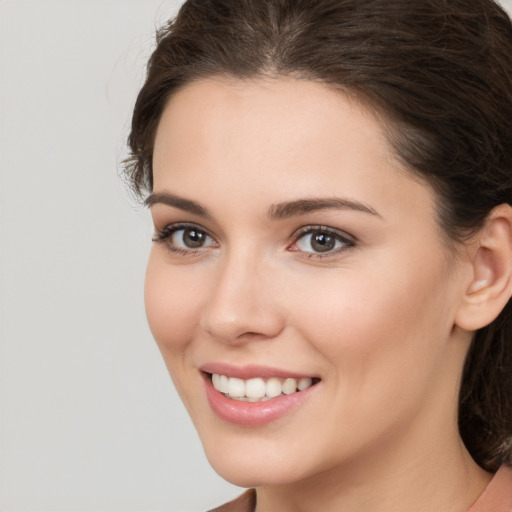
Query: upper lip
point(250, 371)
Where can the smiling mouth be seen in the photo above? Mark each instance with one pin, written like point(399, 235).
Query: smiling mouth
point(259, 389)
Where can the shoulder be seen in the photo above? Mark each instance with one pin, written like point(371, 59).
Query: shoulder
point(244, 503)
point(498, 495)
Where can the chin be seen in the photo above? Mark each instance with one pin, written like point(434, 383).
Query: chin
point(256, 462)
point(250, 473)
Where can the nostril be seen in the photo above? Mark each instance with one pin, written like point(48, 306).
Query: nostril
point(252, 336)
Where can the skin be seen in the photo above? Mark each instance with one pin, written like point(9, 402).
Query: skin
point(377, 320)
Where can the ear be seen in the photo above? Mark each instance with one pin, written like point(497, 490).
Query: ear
point(491, 261)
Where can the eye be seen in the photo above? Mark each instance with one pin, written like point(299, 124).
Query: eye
point(190, 238)
point(184, 238)
point(320, 240)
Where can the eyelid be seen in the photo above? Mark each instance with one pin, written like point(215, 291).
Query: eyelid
point(164, 234)
point(348, 240)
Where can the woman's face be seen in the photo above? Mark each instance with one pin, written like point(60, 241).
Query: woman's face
point(291, 245)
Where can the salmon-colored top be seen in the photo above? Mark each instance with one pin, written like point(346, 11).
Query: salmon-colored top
point(497, 497)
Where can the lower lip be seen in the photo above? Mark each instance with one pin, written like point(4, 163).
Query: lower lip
point(252, 414)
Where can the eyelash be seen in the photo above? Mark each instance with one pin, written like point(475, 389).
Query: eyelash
point(167, 232)
point(347, 241)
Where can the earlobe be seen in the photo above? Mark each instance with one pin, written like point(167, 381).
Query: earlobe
point(491, 283)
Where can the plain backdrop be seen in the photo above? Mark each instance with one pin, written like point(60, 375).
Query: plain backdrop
point(89, 420)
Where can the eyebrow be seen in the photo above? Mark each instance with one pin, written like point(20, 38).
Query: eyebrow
point(303, 206)
point(177, 202)
point(276, 211)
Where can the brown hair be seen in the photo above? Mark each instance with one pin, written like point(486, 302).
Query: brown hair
point(441, 73)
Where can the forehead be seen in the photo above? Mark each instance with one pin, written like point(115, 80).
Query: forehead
point(276, 138)
point(282, 102)
point(285, 118)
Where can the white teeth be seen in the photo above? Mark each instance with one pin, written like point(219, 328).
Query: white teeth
point(289, 386)
point(304, 383)
point(223, 384)
point(273, 388)
point(256, 389)
point(236, 387)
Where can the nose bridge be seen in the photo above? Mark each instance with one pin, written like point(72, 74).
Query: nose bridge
point(241, 305)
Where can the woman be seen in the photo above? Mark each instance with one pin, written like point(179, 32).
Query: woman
point(330, 184)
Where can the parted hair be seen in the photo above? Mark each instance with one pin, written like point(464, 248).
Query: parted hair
point(439, 72)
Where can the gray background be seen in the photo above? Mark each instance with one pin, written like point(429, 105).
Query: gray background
point(89, 420)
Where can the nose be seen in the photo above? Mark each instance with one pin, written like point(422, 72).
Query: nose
point(242, 305)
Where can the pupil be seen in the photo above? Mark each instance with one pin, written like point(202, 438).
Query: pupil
point(322, 242)
point(193, 238)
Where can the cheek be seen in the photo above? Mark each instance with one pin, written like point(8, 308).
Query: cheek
point(367, 323)
point(172, 305)
point(384, 344)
